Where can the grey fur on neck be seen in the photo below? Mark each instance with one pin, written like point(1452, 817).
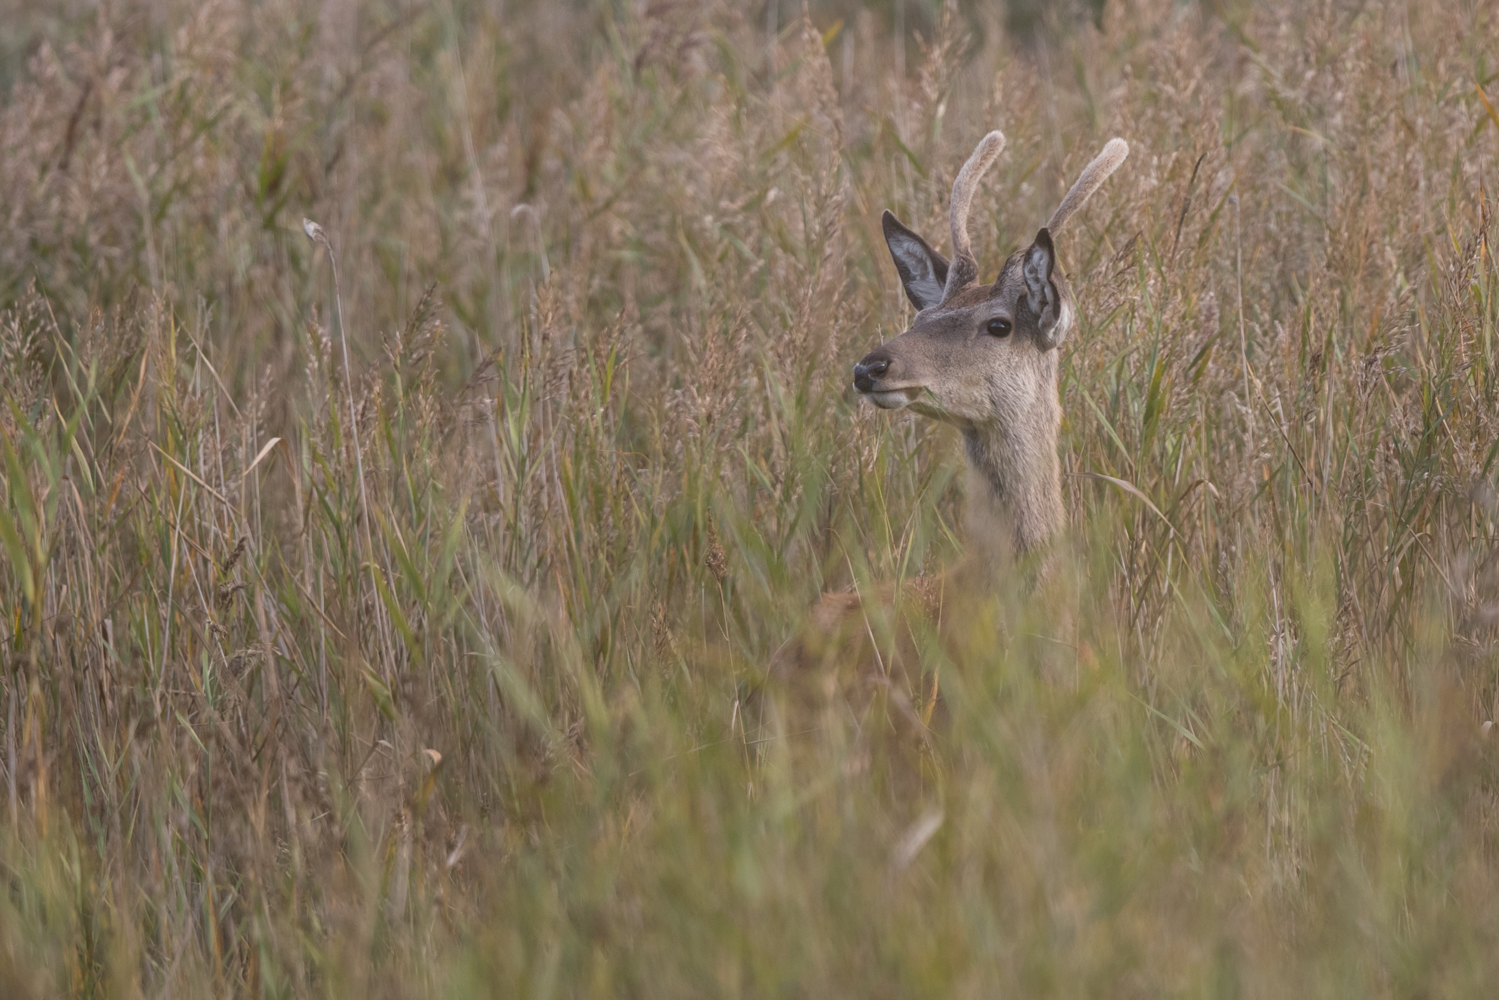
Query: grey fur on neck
point(1015, 484)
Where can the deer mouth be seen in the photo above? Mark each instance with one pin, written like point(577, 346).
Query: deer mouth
point(870, 379)
point(891, 399)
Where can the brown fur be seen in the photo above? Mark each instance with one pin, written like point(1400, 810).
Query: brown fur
point(867, 643)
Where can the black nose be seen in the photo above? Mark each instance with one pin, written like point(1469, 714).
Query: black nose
point(870, 370)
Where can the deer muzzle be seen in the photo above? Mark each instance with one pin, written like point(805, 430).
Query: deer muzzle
point(867, 373)
point(872, 377)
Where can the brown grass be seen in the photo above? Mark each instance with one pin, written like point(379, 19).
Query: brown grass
point(416, 663)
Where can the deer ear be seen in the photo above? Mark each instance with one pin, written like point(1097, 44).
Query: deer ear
point(1041, 295)
point(923, 271)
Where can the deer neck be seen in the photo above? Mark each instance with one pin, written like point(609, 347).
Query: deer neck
point(1015, 481)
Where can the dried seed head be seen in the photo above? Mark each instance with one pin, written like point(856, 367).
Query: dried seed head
point(715, 558)
point(664, 641)
point(314, 232)
point(224, 595)
point(239, 550)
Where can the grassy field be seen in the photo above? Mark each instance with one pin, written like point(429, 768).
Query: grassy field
point(400, 628)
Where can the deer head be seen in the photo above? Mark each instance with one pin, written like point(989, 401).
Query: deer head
point(984, 356)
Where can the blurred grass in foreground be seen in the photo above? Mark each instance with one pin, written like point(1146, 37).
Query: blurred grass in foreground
point(428, 677)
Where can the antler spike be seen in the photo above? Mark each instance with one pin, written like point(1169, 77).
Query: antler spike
point(964, 268)
point(1093, 175)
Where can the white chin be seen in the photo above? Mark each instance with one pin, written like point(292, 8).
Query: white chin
point(888, 400)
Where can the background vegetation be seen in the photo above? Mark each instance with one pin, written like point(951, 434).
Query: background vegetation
point(399, 629)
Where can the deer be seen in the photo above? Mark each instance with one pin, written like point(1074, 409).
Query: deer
point(981, 357)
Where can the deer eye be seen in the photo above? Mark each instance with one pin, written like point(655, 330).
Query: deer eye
point(999, 327)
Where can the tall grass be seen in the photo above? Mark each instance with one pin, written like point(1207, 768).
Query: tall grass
point(396, 635)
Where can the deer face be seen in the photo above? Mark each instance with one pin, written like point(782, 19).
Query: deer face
point(977, 354)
